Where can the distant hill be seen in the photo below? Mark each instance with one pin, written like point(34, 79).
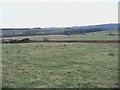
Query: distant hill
point(103, 27)
point(10, 32)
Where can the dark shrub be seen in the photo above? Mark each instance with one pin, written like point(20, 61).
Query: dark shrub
point(13, 41)
point(25, 40)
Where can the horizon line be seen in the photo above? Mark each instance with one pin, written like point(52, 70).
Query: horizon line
point(61, 26)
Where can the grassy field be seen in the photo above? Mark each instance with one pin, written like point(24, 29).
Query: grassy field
point(0, 66)
point(55, 65)
point(102, 35)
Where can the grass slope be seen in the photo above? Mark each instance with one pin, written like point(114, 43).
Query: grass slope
point(54, 65)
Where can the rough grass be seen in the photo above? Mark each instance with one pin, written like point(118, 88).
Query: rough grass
point(0, 66)
point(102, 35)
point(54, 65)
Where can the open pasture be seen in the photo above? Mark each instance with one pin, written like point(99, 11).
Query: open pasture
point(60, 65)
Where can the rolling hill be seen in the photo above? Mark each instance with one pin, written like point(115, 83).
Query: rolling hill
point(11, 32)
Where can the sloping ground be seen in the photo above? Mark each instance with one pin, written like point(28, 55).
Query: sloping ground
point(60, 65)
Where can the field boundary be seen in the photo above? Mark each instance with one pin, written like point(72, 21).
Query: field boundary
point(77, 41)
point(72, 41)
point(80, 41)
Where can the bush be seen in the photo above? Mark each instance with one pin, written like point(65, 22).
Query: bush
point(13, 41)
point(25, 40)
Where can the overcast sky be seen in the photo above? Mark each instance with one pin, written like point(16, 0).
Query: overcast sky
point(56, 14)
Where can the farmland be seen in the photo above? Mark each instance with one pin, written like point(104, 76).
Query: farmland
point(101, 35)
point(60, 65)
point(57, 45)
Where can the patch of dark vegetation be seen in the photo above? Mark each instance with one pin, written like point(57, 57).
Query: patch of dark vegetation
point(81, 31)
point(19, 51)
point(41, 45)
point(45, 40)
point(111, 34)
point(6, 51)
point(111, 54)
point(65, 45)
point(25, 40)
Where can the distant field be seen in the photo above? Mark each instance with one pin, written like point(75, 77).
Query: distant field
point(102, 35)
point(56, 65)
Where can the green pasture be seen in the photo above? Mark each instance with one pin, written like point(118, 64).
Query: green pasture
point(60, 65)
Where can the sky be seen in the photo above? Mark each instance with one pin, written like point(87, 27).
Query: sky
point(31, 13)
